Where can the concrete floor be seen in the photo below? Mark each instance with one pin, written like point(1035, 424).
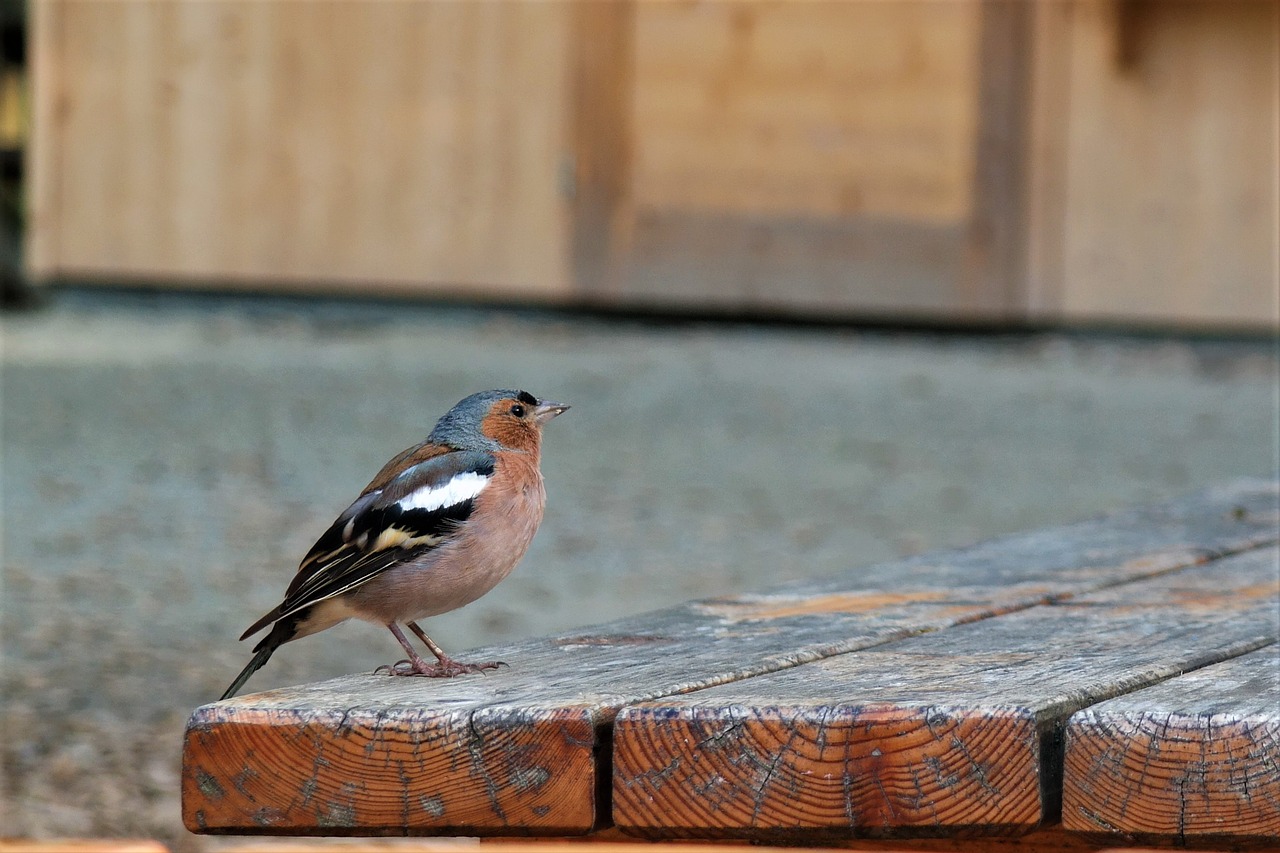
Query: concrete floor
point(167, 461)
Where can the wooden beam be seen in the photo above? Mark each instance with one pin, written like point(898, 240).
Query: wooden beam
point(1197, 757)
point(525, 749)
point(1048, 123)
point(958, 730)
point(44, 167)
point(601, 91)
point(327, 761)
point(995, 267)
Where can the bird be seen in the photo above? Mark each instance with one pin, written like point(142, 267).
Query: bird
point(439, 526)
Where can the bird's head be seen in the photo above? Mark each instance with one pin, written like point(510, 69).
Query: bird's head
point(496, 420)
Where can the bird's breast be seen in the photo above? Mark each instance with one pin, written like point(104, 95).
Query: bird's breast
point(485, 550)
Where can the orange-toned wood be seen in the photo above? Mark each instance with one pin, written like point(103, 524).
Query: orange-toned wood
point(367, 768)
point(1196, 756)
point(954, 731)
point(768, 769)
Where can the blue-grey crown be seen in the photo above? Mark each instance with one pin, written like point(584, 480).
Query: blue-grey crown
point(460, 426)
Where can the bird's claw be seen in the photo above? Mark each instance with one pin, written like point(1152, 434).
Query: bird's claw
point(393, 668)
point(444, 669)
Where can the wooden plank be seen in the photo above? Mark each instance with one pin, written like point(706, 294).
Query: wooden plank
point(603, 42)
point(43, 154)
point(795, 265)
point(520, 750)
point(388, 146)
point(994, 270)
point(375, 763)
point(955, 730)
point(1196, 756)
point(1048, 116)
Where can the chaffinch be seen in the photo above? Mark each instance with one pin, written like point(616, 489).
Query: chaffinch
point(439, 526)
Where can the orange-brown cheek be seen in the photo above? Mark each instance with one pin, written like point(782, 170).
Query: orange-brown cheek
point(508, 430)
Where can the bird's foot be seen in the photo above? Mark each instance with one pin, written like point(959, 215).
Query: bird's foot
point(446, 668)
point(392, 668)
point(449, 667)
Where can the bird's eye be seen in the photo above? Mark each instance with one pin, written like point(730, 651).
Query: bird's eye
point(517, 410)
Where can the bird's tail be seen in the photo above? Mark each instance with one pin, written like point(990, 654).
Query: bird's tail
point(255, 663)
point(281, 633)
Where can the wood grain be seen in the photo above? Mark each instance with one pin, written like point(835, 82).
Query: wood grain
point(1195, 756)
point(281, 741)
point(954, 730)
point(372, 766)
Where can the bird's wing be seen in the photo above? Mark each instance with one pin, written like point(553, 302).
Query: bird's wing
point(415, 511)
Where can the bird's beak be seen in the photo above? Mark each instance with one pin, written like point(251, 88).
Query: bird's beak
point(546, 410)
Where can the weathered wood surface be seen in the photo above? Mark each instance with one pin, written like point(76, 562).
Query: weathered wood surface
point(951, 730)
point(1195, 756)
point(525, 749)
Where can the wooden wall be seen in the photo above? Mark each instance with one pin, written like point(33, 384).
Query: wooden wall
point(1160, 187)
point(327, 144)
point(1074, 160)
point(797, 157)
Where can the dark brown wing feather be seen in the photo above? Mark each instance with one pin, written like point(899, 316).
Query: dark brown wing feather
point(381, 530)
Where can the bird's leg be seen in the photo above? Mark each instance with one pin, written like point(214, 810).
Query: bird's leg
point(448, 666)
point(415, 665)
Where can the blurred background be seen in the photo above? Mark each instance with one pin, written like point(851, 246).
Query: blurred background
point(826, 283)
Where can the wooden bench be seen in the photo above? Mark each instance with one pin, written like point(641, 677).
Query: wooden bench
point(1115, 681)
